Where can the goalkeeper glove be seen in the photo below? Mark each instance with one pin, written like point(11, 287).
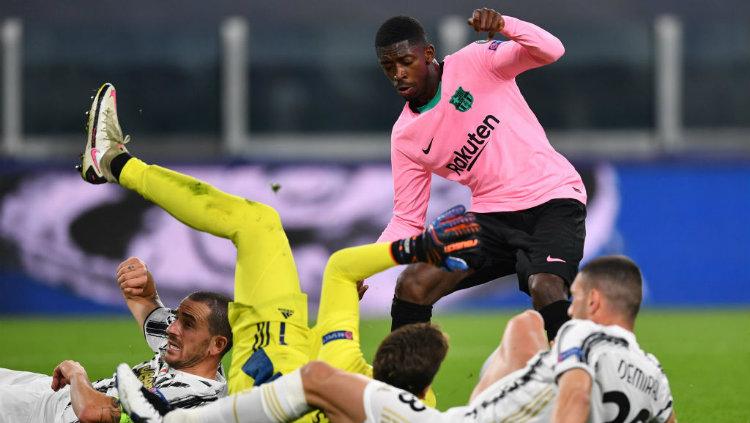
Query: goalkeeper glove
point(450, 241)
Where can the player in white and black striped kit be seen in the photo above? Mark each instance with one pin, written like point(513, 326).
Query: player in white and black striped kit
point(595, 372)
point(185, 370)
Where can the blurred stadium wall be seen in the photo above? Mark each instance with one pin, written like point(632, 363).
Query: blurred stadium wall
point(650, 102)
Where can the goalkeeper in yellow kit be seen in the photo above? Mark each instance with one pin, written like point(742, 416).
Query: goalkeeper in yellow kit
point(269, 312)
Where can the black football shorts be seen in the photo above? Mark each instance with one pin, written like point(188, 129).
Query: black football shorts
point(547, 238)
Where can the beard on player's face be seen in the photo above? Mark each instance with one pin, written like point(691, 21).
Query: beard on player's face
point(188, 337)
point(181, 353)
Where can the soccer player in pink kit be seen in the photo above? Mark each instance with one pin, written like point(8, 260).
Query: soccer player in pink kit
point(466, 120)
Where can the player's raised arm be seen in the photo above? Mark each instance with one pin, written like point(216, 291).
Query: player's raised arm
point(530, 46)
point(138, 287)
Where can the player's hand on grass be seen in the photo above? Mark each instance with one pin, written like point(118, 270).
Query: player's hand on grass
point(135, 280)
point(487, 20)
point(451, 241)
point(65, 372)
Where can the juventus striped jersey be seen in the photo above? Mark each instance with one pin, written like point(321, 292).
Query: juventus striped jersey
point(628, 385)
point(180, 389)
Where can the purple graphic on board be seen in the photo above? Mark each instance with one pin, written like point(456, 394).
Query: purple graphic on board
point(67, 233)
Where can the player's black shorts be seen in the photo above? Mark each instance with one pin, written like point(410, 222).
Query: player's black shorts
point(547, 238)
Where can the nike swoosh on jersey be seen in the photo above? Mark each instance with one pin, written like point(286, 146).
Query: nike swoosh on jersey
point(429, 147)
point(551, 259)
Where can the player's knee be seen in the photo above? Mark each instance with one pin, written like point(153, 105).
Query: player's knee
point(526, 322)
point(546, 288)
point(413, 286)
point(315, 374)
point(262, 214)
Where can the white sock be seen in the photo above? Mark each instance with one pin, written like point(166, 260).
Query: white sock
point(282, 400)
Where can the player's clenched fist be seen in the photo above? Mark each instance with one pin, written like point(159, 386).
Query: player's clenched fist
point(134, 279)
point(487, 20)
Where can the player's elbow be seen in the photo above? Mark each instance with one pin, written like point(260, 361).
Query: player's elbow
point(556, 51)
point(336, 262)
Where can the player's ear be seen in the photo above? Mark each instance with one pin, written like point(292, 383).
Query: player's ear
point(218, 343)
point(429, 53)
point(594, 300)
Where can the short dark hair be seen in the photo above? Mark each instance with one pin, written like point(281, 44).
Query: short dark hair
point(218, 320)
point(399, 28)
point(619, 279)
point(409, 357)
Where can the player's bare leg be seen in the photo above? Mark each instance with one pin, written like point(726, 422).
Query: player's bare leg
point(549, 296)
point(418, 287)
point(523, 337)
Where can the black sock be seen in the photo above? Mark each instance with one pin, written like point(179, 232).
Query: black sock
point(404, 313)
point(555, 315)
point(117, 163)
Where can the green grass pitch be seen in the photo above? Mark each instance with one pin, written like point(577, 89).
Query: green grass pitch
point(706, 353)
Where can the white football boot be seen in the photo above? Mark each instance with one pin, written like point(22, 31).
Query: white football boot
point(105, 140)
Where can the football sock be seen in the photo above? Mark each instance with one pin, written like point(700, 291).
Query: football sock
point(117, 163)
point(555, 315)
point(279, 401)
point(404, 313)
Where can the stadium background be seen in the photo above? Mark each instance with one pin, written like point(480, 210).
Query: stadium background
point(650, 102)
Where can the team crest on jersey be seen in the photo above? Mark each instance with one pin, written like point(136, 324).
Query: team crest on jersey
point(494, 45)
point(462, 99)
point(146, 375)
point(286, 312)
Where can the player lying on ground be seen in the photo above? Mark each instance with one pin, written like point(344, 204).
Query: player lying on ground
point(269, 313)
point(268, 316)
point(595, 372)
point(407, 358)
point(188, 347)
point(466, 120)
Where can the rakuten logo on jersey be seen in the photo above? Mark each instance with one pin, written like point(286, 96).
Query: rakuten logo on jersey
point(464, 159)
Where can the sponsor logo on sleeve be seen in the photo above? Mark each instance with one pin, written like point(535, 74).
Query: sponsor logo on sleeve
point(572, 352)
point(494, 45)
point(339, 334)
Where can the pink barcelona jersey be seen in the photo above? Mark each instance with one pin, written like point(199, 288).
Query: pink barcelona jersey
point(479, 131)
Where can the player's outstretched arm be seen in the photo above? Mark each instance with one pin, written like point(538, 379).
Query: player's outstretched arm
point(139, 288)
point(450, 241)
point(89, 405)
point(574, 397)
